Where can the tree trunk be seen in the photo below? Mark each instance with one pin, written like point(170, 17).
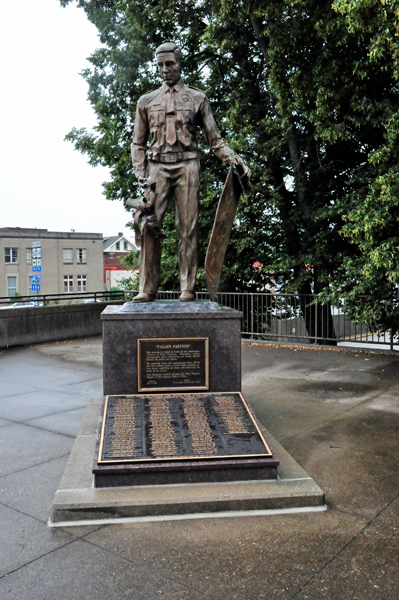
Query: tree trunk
point(318, 318)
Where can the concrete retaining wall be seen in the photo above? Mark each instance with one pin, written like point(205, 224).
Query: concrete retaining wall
point(22, 326)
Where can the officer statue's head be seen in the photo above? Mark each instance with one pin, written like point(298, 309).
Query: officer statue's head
point(169, 61)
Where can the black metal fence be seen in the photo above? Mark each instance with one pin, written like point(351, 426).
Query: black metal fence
point(293, 317)
point(266, 316)
point(47, 299)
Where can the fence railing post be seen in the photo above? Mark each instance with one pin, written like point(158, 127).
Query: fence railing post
point(252, 314)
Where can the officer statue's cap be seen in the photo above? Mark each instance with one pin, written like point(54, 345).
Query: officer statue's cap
point(170, 47)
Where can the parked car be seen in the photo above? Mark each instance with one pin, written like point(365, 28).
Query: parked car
point(20, 305)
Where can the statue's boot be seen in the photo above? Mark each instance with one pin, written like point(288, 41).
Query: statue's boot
point(144, 297)
point(187, 296)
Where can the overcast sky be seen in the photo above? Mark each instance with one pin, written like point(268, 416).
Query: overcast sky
point(44, 182)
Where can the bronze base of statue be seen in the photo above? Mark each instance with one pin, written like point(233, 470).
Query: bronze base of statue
point(187, 296)
point(143, 297)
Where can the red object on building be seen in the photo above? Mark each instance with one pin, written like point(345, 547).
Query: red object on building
point(114, 248)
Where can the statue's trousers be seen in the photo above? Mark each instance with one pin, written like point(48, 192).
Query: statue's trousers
point(181, 180)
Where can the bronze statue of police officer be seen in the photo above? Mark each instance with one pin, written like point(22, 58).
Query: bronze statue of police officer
point(170, 117)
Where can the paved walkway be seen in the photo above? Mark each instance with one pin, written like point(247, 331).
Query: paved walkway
point(336, 412)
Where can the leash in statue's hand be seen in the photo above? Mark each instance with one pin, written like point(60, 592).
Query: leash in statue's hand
point(244, 175)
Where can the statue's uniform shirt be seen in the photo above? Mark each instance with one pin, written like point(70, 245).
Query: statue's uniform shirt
point(175, 168)
point(192, 112)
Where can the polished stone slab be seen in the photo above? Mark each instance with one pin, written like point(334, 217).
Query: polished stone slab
point(77, 501)
point(167, 307)
point(124, 325)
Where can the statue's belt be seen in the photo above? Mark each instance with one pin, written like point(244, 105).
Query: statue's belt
point(171, 157)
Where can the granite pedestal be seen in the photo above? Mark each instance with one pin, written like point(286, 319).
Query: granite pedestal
point(129, 490)
point(167, 328)
point(124, 325)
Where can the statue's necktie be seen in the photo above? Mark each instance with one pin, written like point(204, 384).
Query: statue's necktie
point(171, 119)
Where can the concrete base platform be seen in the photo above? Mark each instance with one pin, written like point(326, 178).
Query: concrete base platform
point(77, 502)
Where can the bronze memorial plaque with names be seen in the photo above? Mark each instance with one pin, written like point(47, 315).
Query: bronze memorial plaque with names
point(173, 427)
point(169, 364)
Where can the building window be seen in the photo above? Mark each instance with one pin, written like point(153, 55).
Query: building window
point(29, 256)
point(68, 284)
point(11, 255)
point(81, 256)
point(30, 291)
point(67, 256)
point(118, 245)
point(111, 255)
point(11, 285)
point(125, 245)
point(82, 283)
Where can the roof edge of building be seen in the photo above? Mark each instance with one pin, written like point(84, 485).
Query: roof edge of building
point(24, 232)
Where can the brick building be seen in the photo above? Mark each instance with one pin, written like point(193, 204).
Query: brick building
point(114, 248)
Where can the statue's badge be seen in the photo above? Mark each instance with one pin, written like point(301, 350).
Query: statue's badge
point(185, 98)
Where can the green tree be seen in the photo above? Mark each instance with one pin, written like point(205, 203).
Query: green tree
point(306, 92)
point(123, 69)
point(368, 280)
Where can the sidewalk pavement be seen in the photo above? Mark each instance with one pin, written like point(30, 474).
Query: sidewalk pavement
point(335, 411)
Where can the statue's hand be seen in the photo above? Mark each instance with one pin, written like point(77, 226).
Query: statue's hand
point(243, 170)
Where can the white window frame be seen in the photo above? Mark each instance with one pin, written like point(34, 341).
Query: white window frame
point(28, 256)
point(117, 246)
point(68, 280)
point(16, 284)
point(65, 258)
point(13, 253)
point(81, 284)
point(30, 291)
point(81, 256)
point(125, 247)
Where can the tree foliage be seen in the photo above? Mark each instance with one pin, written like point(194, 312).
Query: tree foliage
point(369, 278)
point(307, 92)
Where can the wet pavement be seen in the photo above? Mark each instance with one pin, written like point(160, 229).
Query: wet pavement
point(336, 412)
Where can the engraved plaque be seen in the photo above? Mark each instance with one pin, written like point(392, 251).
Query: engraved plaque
point(173, 364)
point(173, 427)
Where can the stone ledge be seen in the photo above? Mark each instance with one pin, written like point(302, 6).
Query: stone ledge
point(169, 309)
